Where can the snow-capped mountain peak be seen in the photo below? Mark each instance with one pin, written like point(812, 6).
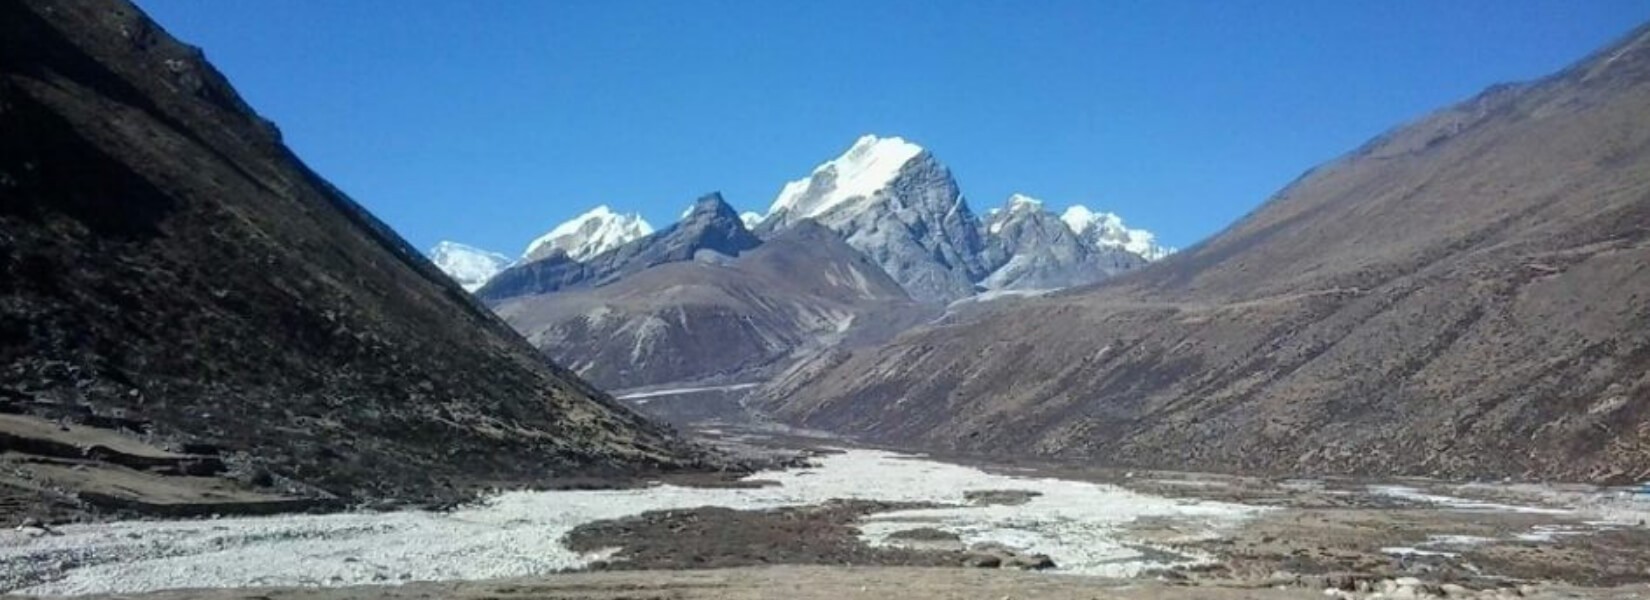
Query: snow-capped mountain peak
point(1018, 202)
point(468, 265)
point(751, 219)
point(589, 234)
point(1106, 230)
point(868, 166)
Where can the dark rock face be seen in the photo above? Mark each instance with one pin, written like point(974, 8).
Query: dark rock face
point(710, 227)
point(736, 319)
point(1463, 296)
point(168, 265)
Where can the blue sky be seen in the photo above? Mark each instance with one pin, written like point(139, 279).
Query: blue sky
point(490, 122)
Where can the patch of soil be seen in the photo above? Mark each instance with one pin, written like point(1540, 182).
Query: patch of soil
point(924, 534)
point(716, 538)
point(1000, 497)
point(1306, 546)
point(1605, 558)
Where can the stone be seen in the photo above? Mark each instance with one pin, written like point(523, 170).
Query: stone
point(1029, 562)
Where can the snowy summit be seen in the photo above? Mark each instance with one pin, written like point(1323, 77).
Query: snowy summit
point(866, 168)
point(1106, 230)
point(468, 265)
point(589, 234)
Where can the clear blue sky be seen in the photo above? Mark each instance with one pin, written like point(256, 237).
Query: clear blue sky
point(489, 122)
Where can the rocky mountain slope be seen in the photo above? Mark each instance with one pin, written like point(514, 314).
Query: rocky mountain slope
point(732, 320)
point(1032, 249)
point(1463, 296)
point(710, 230)
point(471, 267)
point(177, 285)
point(895, 202)
point(684, 305)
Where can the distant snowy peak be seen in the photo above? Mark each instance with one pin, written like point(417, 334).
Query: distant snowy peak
point(750, 219)
point(1018, 205)
point(866, 168)
point(589, 234)
point(469, 266)
point(1106, 230)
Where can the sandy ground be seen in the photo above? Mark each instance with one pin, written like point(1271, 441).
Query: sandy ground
point(819, 583)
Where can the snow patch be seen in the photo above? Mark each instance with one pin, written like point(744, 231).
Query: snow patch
point(866, 168)
point(590, 234)
point(1106, 230)
point(470, 266)
point(1416, 495)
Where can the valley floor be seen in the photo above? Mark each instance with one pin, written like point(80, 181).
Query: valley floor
point(870, 523)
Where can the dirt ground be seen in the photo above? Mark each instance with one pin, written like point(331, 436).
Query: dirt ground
point(716, 538)
point(817, 583)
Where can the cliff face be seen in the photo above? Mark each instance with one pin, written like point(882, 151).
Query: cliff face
point(167, 264)
point(1465, 295)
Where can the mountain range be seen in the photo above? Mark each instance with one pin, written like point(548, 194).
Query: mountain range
point(627, 307)
point(895, 202)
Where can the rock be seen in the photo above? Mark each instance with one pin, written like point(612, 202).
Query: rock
point(1348, 582)
point(1029, 562)
point(1172, 575)
point(1285, 578)
point(1454, 590)
point(981, 561)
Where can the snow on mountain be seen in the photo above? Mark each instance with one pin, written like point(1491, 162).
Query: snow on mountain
point(751, 219)
point(867, 167)
point(589, 234)
point(711, 231)
point(1106, 230)
point(1017, 204)
point(469, 266)
point(1029, 247)
point(896, 203)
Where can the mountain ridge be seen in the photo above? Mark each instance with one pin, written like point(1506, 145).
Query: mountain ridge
point(1460, 296)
